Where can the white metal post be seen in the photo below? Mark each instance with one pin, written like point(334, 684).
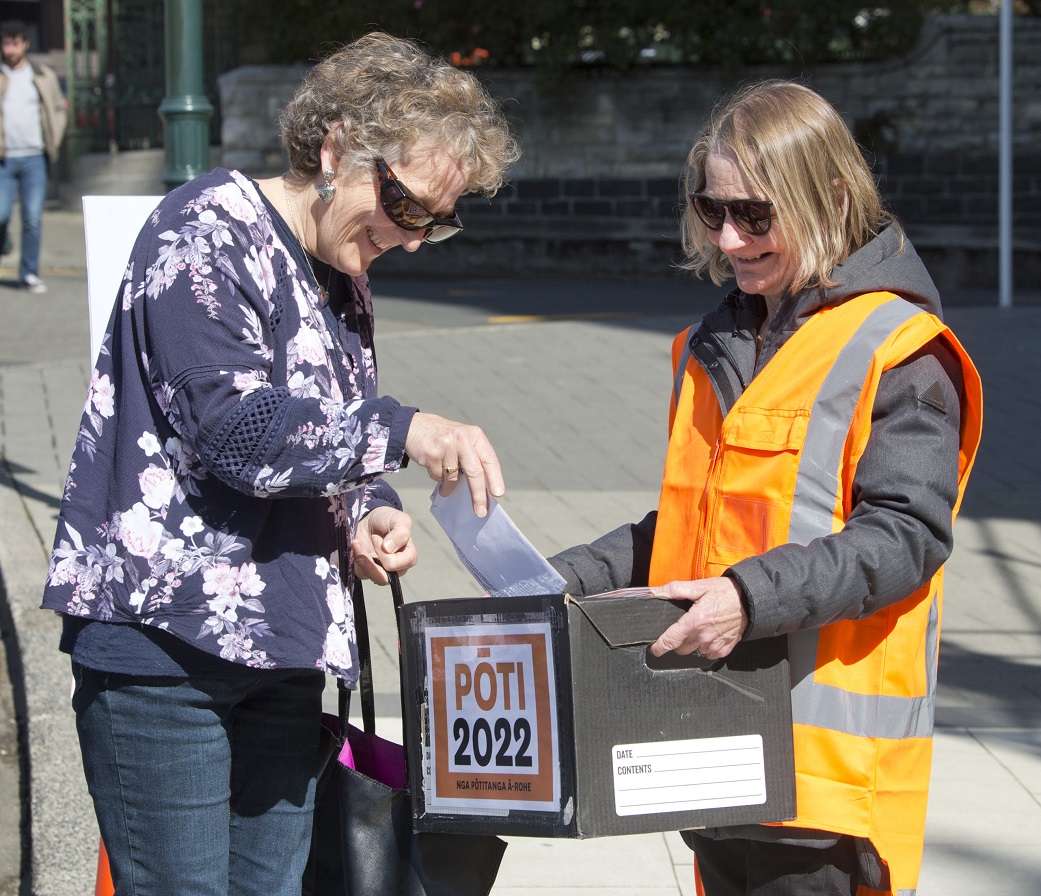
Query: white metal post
point(1005, 160)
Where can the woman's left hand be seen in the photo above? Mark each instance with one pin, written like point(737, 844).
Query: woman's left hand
point(713, 625)
point(383, 533)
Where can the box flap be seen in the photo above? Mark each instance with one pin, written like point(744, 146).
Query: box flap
point(630, 621)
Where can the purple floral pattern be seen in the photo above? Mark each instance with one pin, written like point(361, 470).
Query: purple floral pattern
point(231, 439)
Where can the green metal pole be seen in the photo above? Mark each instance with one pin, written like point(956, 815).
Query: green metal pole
point(185, 110)
point(86, 26)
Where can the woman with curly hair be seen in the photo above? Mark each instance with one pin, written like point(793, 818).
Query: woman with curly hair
point(227, 486)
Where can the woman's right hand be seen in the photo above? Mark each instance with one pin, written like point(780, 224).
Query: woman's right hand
point(447, 449)
point(713, 625)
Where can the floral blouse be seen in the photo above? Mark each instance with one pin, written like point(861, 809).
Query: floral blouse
point(232, 438)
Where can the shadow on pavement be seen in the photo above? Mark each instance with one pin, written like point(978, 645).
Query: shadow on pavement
point(14, 754)
point(11, 471)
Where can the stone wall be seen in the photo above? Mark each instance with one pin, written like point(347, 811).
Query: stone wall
point(596, 189)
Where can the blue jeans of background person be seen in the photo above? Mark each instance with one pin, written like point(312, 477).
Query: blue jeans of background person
point(202, 786)
point(26, 176)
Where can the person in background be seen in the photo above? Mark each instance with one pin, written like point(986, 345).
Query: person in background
point(227, 484)
point(823, 425)
point(33, 115)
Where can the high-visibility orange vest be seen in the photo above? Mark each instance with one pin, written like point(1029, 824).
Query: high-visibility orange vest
point(779, 469)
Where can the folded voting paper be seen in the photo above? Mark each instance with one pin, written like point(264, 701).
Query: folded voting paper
point(493, 549)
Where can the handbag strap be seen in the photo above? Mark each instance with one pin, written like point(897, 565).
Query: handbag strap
point(361, 631)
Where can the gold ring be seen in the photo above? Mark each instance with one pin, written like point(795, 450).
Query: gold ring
point(450, 470)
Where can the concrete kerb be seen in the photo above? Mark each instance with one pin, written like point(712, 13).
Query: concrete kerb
point(63, 834)
point(59, 834)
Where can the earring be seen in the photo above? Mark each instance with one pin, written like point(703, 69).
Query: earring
point(327, 191)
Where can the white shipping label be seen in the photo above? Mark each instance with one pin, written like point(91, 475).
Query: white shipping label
point(685, 775)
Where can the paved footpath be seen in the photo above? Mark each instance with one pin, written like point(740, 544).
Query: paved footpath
point(571, 382)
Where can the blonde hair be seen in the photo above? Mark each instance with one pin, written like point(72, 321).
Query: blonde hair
point(794, 149)
point(384, 96)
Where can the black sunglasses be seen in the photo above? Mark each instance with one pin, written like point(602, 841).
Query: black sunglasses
point(409, 213)
point(753, 216)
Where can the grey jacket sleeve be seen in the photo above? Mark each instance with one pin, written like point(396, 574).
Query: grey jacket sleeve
point(619, 559)
point(899, 532)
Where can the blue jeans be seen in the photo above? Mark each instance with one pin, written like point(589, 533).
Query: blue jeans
point(205, 785)
point(26, 175)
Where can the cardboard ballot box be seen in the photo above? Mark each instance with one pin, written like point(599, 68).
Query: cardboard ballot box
point(546, 716)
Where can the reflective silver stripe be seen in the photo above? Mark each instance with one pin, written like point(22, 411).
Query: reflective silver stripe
point(932, 645)
point(862, 715)
point(816, 489)
point(816, 485)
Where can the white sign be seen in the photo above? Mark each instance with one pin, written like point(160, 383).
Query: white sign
point(111, 225)
point(492, 713)
point(685, 775)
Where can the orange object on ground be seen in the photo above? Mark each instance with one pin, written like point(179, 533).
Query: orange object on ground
point(103, 883)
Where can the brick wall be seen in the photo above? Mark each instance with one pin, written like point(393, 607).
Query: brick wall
point(921, 188)
point(596, 189)
point(960, 187)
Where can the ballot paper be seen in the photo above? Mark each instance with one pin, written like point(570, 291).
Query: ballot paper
point(492, 548)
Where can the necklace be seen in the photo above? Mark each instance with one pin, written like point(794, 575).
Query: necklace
point(323, 291)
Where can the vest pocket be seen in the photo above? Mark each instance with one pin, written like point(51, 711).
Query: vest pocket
point(742, 529)
point(750, 491)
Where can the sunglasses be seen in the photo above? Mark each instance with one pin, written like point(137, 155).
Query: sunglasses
point(753, 216)
point(409, 213)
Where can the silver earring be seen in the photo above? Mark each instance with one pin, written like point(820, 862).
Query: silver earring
point(327, 191)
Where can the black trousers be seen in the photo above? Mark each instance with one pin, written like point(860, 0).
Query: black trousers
point(759, 868)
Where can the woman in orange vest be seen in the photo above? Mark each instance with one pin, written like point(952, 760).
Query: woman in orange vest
point(823, 425)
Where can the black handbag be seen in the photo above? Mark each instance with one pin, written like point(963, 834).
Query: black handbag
point(362, 842)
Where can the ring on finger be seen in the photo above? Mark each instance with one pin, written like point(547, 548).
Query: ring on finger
point(449, 471)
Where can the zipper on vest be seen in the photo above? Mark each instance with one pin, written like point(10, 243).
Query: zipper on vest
point(699, 560)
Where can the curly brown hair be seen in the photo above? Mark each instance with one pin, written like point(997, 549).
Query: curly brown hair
point(384, 96)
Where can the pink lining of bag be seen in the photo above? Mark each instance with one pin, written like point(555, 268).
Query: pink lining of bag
point(374, 756)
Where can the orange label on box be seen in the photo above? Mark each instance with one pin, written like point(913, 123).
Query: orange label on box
point(493, 719)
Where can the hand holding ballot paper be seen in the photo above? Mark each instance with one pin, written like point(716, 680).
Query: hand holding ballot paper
point(495, 551)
